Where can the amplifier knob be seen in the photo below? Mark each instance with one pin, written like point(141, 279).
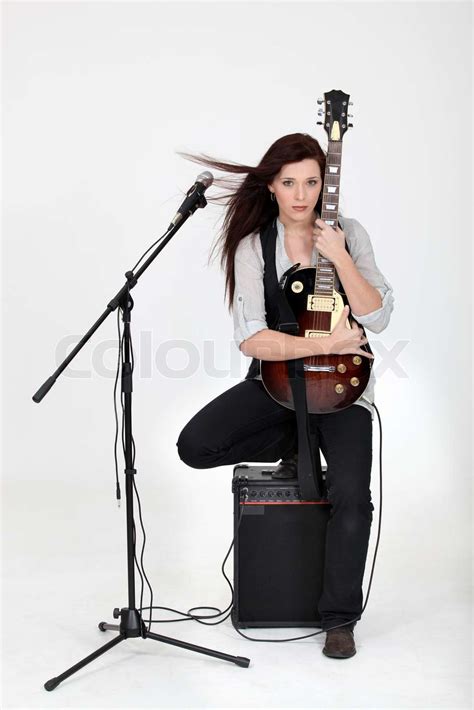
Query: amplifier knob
point(339, 388)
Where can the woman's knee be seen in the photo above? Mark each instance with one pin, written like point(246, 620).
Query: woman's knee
point(193, 451)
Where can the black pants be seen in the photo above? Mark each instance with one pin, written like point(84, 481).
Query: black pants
point(246, 424)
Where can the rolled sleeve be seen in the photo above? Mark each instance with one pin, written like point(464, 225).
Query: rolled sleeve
point(377, 320)
point(243, 327)
point(248, 307)
point(363, 256)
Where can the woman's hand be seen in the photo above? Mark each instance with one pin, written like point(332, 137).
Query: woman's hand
point(343, 341)
point(328, 241)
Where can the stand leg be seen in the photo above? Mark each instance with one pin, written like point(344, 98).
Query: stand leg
point(54, 682)
point(104, 626)
point(238, 660)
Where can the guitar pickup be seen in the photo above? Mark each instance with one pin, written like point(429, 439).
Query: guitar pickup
point(321, 303)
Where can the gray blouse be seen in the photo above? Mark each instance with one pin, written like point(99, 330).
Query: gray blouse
point(249, 300)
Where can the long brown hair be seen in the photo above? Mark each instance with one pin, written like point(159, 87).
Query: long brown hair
point(249, 204)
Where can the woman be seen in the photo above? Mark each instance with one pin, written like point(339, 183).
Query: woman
point(244, 423)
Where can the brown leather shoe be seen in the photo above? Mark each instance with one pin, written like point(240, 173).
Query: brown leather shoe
point(339, 643)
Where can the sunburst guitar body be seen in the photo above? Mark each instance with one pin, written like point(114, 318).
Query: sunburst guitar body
point(333, 382)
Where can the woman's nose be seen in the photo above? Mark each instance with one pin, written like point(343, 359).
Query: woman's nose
point(300, 193)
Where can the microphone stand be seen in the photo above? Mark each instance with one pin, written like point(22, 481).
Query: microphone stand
point(131, 621)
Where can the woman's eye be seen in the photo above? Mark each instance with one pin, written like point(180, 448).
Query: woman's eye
point(288, 183)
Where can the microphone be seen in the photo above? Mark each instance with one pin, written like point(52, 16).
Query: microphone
point(194, 198)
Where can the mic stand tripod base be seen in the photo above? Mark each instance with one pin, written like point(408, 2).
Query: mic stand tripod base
point(132, 626)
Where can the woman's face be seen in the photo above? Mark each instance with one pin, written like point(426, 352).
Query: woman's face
point(297, 187)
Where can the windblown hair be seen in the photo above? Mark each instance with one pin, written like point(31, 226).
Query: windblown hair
point(249, 205)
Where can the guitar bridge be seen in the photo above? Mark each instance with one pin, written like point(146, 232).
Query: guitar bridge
point(316, 334)
point(319, 368)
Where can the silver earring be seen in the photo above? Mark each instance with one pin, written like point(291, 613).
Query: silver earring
point(272, 196)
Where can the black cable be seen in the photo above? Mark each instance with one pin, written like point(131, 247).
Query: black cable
point(151, 247)
point(142, 553)
point(119, 362)
point(142, 608)
point(138, 564)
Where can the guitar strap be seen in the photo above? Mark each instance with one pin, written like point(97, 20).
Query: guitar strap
point(310, 479)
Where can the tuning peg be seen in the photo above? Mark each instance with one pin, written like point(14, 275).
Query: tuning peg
point(350, 125)
point(320, 112)
point(320, 100)
point(350, 115)
point(319, 123)
point(350, 103)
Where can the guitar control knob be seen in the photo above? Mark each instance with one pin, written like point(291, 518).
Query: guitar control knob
point(339, 388)
point(341, 367)
point(357, 359)
point(354, 381)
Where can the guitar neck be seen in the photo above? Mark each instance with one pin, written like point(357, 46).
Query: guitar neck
point(325, 270)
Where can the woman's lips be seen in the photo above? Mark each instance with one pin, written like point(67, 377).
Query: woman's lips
point(300, 209)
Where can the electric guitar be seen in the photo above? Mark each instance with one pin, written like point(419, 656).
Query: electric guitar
point(333, 382)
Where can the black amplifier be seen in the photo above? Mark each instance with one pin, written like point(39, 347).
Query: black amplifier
point(278, 550)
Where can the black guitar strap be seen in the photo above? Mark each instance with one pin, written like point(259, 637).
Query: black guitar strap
point(309, 461)
point(310, 478)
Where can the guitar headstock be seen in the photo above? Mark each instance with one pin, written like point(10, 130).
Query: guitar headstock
point(336, 116)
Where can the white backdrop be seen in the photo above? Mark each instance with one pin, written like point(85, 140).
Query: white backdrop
point(98, 97)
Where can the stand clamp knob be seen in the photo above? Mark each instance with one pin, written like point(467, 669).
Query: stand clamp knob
point(116, 613)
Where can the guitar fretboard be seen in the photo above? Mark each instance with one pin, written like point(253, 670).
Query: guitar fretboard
point(325, 270)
